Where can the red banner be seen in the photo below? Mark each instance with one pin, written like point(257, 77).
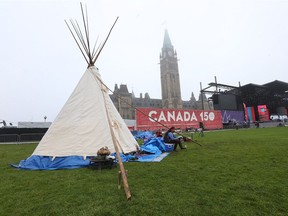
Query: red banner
point(263, 113)
point(153, 119)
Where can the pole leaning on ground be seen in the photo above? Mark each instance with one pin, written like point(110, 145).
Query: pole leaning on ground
point(83, 42)
point(122, 170)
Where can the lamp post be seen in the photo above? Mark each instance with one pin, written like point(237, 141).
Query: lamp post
point(201, 94)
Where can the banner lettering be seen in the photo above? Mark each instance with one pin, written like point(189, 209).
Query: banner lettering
point(153, 119)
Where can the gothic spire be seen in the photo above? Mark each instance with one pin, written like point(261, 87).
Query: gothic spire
point(167, 42)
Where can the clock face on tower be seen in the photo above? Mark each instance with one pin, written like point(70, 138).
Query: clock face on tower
point(170, 53)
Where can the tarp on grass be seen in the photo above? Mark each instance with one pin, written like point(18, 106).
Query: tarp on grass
point(151, 151)
point(37, 162)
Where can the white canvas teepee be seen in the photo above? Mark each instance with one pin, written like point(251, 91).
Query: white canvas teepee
point(87, 122)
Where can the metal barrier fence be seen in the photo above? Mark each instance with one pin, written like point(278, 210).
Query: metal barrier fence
point(6, 138)
point(12, 138)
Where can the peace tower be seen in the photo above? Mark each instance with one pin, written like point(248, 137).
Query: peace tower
point(170, 81)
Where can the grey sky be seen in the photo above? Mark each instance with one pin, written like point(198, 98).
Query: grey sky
point(237, 41)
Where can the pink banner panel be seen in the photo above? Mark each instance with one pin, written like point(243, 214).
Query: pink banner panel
point(263, 113)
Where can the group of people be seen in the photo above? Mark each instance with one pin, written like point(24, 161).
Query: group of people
point(169, 137)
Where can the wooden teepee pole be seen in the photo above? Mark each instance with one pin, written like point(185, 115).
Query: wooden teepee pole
point(122, 170)
point(84, 46)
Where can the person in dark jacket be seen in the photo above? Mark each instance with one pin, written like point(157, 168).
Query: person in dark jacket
point(169, 137)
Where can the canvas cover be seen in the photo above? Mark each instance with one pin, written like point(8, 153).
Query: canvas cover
point(87, 122)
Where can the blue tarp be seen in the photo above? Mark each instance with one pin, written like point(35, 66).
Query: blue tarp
point(154, 145)
point(155, 148)
point(150, 151)
point(146, 135)
point(36, 162)
point(152, 157)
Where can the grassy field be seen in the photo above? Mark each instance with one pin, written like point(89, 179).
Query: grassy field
point(235, 172)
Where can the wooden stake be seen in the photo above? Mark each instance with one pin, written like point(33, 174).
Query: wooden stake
point(122, 170)
point(119, 178)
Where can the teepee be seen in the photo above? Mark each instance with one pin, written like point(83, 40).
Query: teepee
point(87, 121)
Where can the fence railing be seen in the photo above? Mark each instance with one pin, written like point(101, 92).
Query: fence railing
point(17, 138)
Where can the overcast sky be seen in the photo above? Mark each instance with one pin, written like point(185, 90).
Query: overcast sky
point(236, 41)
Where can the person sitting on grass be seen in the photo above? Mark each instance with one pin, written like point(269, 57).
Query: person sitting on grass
point(169, 137)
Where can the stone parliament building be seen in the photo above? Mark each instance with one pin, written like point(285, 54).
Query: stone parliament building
point(126, 102)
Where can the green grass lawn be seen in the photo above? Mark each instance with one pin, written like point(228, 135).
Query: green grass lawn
point(235, 172)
